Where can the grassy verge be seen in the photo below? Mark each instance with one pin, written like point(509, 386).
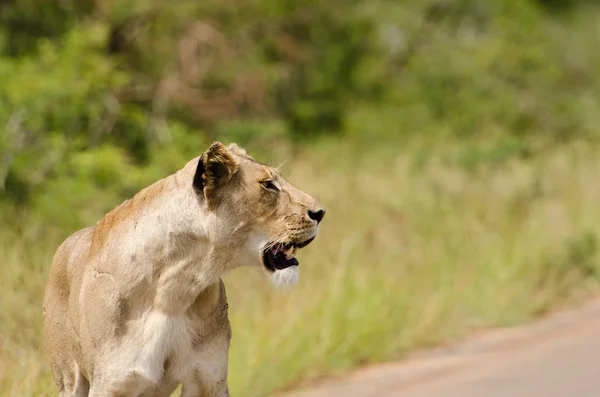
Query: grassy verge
point(411, 253)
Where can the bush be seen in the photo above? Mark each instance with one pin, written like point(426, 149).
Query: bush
point(53, 102)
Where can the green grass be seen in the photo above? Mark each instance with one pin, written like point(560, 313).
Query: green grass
point(415, 250)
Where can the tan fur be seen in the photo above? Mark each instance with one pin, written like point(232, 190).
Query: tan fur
point(135, 305)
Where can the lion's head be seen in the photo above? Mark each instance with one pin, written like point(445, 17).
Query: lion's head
point(255, 212)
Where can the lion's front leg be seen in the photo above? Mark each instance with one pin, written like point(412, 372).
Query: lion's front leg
point(208, 377)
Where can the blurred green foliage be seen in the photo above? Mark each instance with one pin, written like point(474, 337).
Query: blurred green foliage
point(99, 98)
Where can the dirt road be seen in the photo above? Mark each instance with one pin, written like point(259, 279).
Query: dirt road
point(555, 357)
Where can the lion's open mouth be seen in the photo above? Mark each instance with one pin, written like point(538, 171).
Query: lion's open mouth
point(282, 255)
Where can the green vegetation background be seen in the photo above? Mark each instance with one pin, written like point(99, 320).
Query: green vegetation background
point(454, 143)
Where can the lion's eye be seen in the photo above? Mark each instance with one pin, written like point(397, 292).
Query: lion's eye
point(269, 185)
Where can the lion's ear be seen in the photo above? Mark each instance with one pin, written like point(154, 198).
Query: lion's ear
point(215, 168)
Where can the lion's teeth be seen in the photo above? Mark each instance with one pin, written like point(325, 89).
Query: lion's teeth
point(289, 254)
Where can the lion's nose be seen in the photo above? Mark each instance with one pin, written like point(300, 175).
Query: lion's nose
point(316, 215)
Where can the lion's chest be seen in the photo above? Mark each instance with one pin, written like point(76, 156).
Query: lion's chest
point(161, 346)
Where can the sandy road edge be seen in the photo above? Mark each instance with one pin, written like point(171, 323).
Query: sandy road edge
point(437, 362)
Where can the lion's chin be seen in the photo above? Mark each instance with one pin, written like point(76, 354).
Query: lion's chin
point(285, 278)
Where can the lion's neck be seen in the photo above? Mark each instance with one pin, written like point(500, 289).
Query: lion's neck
point(160, 238)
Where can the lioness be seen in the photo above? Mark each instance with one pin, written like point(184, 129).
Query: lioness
point(135, 306)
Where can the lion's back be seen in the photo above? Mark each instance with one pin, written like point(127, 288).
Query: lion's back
point(68, 261)
point(72, 253)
